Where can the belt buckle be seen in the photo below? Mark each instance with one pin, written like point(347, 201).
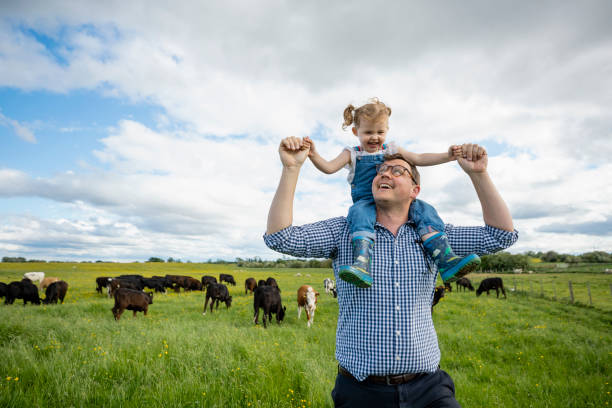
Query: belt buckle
point(388, 379)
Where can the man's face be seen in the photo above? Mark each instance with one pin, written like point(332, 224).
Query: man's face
point(388, 189)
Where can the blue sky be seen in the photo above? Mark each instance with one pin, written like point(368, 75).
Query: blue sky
point(139, 129)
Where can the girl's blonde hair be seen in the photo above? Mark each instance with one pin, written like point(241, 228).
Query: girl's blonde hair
point(370, 111)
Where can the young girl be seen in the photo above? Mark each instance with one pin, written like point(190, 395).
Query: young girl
point(370, 124)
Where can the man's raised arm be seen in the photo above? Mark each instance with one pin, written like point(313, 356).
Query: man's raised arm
point(293, 152)
point(494, 210)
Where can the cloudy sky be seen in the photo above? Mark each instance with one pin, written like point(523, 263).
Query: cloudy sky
point(138, 129)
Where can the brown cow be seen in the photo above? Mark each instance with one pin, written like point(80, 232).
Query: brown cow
point(307, 299)
point(131, 299)
point(47, 281)
point(250, 284)
point(56, 291)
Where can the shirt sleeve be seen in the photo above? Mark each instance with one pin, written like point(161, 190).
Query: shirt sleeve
point(316, 240)
point(479, 240)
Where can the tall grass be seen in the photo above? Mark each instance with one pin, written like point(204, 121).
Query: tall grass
point(520, 352)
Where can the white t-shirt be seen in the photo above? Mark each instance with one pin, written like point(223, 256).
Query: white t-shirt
point(391, 149)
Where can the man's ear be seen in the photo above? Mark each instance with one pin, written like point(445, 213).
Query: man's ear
point(354, 130)
point(416, 189)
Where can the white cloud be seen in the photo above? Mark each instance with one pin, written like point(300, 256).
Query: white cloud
point(236, 77)
point(21, 130)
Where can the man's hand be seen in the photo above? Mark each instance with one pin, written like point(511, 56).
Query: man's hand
point(473, 158)
point(293, 151)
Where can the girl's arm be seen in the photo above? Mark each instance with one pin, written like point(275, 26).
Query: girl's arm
point(431, 159)
point(327, 167)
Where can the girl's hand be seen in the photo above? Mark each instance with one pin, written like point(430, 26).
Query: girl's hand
point(454, 152)
point(310, 143)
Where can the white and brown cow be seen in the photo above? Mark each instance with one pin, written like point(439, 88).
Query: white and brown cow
point(34, 276)
point(307, 299)
point(47, 281)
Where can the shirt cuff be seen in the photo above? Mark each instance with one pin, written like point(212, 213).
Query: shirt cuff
point(503, 237)
point(276, 240)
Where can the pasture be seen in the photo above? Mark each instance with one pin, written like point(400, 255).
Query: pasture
point(526, 351)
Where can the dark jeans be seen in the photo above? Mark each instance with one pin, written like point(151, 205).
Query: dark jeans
point(429, 390)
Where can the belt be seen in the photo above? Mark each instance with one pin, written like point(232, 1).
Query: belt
point(383, 379)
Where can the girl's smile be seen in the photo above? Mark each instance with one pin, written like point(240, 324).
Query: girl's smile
point(372, 134)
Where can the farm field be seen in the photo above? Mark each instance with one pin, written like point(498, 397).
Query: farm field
point(524, 351)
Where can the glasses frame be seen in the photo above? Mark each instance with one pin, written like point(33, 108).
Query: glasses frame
point(392, 167)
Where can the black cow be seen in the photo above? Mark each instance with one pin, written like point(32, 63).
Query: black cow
point(217, 292)
point(207, 280)
point(135, 300)
point(490, 284)
point(268, 298)
point(438, 294)
point(102, 282)
point(25, 290)
point(157, 284)
point(250, 284)
point(3, 289)
point(56, 290)
point(227, 278)
point(192, 283)
point(176, 282)
point(165, 281)
point(117, 283)
point(272, 282)
point(261, 282)
point(465, 284)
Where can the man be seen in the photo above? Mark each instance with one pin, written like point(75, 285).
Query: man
point(386, 344)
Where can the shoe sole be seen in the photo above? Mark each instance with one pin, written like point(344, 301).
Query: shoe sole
point(469, 265)
point(353, 277)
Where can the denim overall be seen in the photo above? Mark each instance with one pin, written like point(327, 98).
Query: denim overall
point(362, 214)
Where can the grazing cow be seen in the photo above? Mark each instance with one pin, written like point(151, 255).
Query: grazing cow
point(175, 282)
point(465, 284)
point(192, 283)
point(207, 280)
point(438, 294)
point(3, 289)
point(124, 283)
point(217, 292)
point(34, 276)
point(261, 282)
point(157, 284)
point(250, 284)
point(47, 281)
point(307, 299)
point(25, 290)
point(272, 282)
point(268, 298)
point(102, 282)
point(227, 278)
point(448, 287)
point(56, 290)
point(329, 285)
point(489, 284)
point(130, 299)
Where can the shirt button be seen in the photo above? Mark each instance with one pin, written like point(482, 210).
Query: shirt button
point(397, 357)
point(397, 262)
point(397, 333)
point(397, 284)
point(396, 307)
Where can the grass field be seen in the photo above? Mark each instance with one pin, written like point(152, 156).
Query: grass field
point(526, 351)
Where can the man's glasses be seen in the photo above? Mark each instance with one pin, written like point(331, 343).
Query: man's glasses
point(396, 170)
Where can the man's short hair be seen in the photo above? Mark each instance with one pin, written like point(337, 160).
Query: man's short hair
point(413, 170)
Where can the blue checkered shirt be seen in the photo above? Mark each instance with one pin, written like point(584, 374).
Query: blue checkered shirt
point(386, 329)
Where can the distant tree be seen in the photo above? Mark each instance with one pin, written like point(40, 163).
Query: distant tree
point(17, 259)
point(155, 259)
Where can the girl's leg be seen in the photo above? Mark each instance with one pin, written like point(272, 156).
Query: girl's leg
point(361, 218)
point(431, 229)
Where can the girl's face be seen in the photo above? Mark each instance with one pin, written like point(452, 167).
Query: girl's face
point(372, 134)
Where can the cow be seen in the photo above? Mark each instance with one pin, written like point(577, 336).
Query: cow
point(207, 280)
point(250, 284)
point(465, 284)
point(268, 298)
point(261, 282)
point(157, 284)
point(102, 282)
point(489, 284)
point(329, 285)
point(272, 282)
point(307, 299)
point(227, 278)
point(3, 289)
point(438, 294)
point(448, 287)
point(217, 292)
point(192, 283)
point(124, 283)
point(175, 282)
point(34, 276)
point(47, 281)
point(24, 289)
point(130, 299)
point(56, 290)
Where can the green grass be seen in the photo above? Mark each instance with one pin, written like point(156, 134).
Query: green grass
point(525, 351)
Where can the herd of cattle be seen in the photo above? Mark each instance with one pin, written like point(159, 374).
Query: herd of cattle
point(129, 293)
